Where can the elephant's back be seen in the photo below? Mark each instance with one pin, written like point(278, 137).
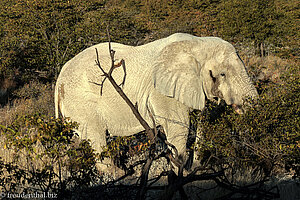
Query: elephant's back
point(85, 61)
point(81, 76)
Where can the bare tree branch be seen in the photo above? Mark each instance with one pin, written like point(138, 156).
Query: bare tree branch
point(108, 76)
point(151, 133)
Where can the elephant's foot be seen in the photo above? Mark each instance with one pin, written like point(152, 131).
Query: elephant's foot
point(184, 163)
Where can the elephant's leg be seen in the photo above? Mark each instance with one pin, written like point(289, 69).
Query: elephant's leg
point(183, 138)
point(90, 128)
point(174, 117)
point(96, 133)
point(177, 135)
point(86, 113)
point(177, 131)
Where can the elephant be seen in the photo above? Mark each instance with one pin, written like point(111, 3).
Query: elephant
point(168, 77)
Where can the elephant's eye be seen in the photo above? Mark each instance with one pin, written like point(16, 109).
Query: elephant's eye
point(222, 74)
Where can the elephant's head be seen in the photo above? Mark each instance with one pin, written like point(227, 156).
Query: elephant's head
point(193, 70)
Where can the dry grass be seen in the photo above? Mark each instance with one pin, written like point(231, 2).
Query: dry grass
point(266, 68)
point(34, 97)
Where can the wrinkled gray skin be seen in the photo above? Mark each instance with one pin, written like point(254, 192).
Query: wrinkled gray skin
point(170, 76)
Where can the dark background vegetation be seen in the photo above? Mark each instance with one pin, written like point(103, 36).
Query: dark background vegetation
point(38, 37)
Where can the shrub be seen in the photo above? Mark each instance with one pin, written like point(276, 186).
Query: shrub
point(45, 156)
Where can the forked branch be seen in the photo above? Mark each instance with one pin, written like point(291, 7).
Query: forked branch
point(108, 76)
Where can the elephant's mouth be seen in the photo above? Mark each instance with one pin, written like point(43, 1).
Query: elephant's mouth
point(238, 109)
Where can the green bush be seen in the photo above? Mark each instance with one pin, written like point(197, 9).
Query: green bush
point(268, 25)
point(45, 156)
point(38, 37)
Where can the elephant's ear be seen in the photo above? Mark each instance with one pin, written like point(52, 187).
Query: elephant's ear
point(177, 75)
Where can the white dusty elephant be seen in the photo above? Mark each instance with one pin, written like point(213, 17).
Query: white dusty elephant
point(170, 76)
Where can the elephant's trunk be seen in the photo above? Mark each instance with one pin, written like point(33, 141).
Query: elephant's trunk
point(252, 93)
point(241, 90)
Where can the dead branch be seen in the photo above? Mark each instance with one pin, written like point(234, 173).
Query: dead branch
point(151, 133)
point(154, 180)
point(108, 76)
point(248, 190)
point(146, 167)
point(144, 179)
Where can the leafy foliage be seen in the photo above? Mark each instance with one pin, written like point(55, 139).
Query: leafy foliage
point(255, 21)
point(259, 22)
point(52, 158)
point(122, 148)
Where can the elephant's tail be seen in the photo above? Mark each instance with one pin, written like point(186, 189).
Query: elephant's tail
point(56, 101)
